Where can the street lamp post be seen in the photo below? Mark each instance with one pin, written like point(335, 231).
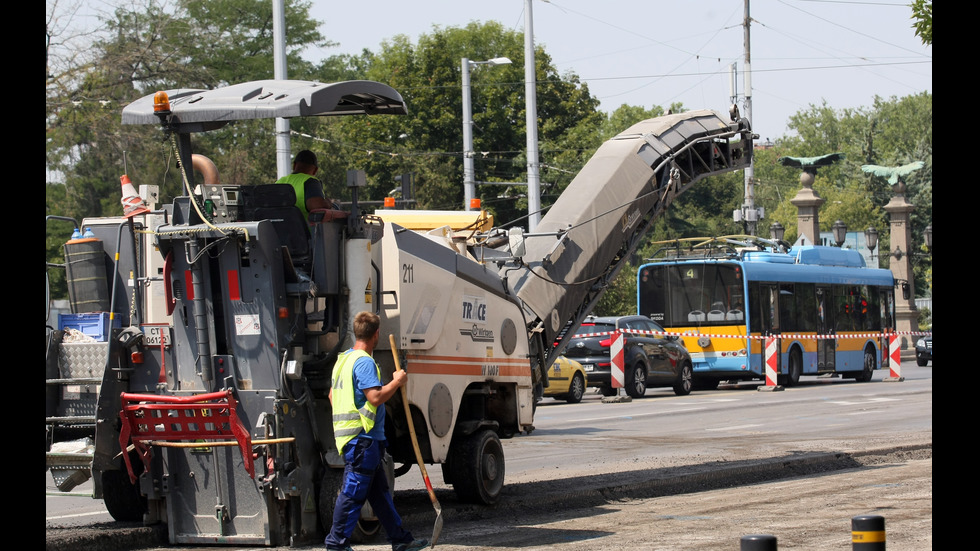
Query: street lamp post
point(469, 184)
point(871, 240)
point(840, 232)
point(776, 232)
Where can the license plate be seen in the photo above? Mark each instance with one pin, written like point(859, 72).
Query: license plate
point(588, 367)
point(155, 335)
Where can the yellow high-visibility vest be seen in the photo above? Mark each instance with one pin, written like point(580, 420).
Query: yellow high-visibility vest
point(349, 420)
point(298, 181)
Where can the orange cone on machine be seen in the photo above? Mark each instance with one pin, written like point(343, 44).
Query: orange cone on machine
point(132, 204)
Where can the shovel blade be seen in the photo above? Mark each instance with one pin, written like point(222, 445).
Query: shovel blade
point(437, 527)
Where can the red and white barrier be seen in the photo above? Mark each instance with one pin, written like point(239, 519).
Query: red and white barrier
point(771, 359)
point(894, 359)
point(834, 336)
point(771, 375)
point(616, 356)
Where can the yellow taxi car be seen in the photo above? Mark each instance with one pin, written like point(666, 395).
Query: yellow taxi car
point(566, 381)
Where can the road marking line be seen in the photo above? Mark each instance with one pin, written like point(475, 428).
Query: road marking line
point(614, 417)
point(76, 515)
point(735, 428)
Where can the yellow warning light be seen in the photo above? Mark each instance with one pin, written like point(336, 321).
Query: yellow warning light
point(161, 103)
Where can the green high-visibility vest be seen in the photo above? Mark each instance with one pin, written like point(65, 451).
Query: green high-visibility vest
point(349, 420)
point(298, 181)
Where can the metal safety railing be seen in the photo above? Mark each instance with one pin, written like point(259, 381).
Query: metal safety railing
point(202, 420)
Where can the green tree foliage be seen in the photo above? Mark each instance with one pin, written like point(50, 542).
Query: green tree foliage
point(161, 44)
point(429, 141)
point(922, 14)
point(891, 132)
point(196, 45)
point(141, 49)
point(619, 298)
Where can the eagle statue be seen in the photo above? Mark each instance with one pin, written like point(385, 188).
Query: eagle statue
point(811, 162)
point(893, 173)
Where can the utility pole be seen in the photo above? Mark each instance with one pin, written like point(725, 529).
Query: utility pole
point(283, 166)
point(749, 214)
point(533, 184)
point(469, 187)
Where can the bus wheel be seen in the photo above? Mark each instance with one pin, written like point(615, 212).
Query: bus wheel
point(795, 367)
point(870, 364)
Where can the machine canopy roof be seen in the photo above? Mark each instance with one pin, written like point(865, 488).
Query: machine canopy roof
point(201, 110)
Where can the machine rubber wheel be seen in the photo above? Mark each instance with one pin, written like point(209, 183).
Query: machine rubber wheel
point(478, 468)
point(636, 381)
point(921, 361)
point(870, 364)
point(122, 498)
point(608, 390)
point(795, 367)
point(576, 389)
point(685, 381)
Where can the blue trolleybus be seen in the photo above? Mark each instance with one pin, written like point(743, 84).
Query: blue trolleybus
point(831, 313)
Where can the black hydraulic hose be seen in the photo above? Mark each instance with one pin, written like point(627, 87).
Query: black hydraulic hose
point(200, 312)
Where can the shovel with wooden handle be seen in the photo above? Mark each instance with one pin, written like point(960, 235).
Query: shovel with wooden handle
point(437, 527)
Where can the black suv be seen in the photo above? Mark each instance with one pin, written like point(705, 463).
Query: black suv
point(923, 350)
point(649, 360)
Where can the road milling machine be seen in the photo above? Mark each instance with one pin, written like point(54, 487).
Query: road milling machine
point(212, 414)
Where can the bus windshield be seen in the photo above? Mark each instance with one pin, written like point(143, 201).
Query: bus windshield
point(697, 293)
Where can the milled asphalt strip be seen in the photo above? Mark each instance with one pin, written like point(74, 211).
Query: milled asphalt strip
point(587, 491)
point(594, 490)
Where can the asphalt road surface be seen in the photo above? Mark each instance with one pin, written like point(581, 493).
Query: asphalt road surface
point(797, 465)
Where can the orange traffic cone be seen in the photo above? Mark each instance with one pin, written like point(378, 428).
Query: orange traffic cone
point(132, 204)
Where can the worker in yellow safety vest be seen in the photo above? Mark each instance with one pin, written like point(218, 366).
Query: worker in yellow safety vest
point(357, 397)
point(309, 190)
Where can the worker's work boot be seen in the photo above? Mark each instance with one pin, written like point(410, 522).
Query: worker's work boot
point(416, 545)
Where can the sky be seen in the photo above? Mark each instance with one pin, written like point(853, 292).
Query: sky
point(657, 52)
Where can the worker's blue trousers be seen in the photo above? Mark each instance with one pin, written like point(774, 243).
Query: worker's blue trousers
point(364, 480)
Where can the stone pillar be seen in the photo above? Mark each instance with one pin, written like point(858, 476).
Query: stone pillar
point(807, 204)
point(906, 314)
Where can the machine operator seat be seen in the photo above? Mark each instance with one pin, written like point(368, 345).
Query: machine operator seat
point(277, 203)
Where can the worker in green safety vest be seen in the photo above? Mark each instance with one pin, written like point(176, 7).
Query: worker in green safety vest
point(309, 190)
point(357, 398)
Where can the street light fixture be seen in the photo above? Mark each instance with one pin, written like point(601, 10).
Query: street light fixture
point(777, 231)
point(469, 186)
point(871, 239)
point(840, 232)
point(927, 233)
